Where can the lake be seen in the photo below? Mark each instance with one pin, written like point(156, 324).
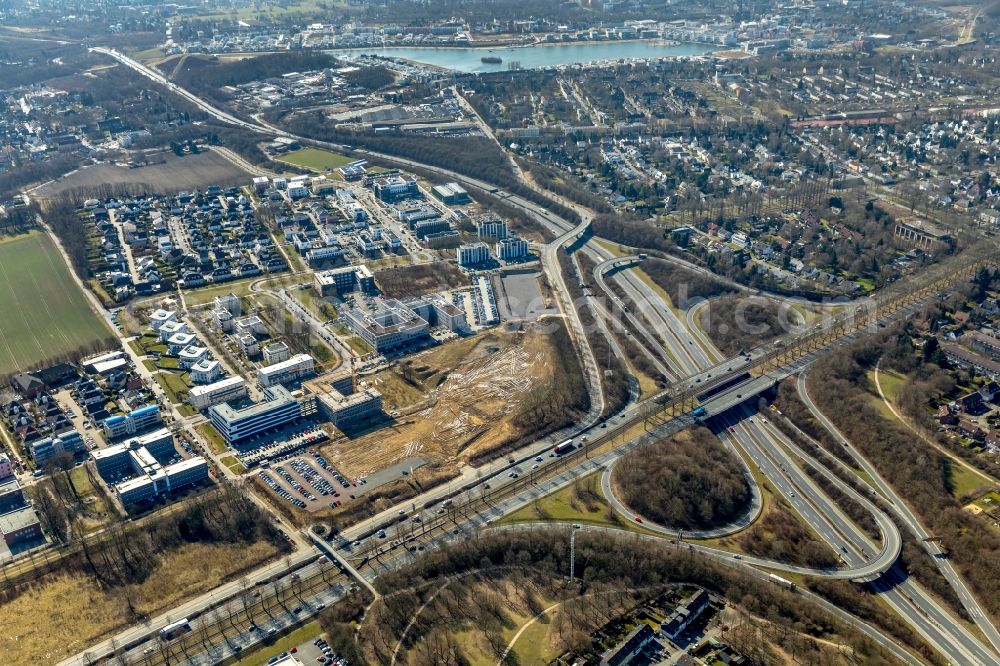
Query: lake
point(531, 57)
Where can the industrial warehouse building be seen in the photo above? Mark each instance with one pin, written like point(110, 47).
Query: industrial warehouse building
point(451, 194)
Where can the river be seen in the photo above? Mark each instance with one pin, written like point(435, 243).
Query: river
point(531, 57)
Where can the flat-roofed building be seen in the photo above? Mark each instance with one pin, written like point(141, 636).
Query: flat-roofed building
point(144, 418)
point(42, 450)
point(238, 425)
point(161, 317)
point(512, 249)
point(491, 227)
point(338, 401)
point(920, 232)
point(203, 397)
point(20, 526)
point(290, 370)
point(452, 194)
point(391, 326)
point(11, 494)
point(276, 352)
point(343, 280)
point(473, 254)
point(171, 328)
point(206, 371)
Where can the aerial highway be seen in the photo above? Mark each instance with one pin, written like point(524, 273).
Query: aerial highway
point(907, 517)
point(690, 359)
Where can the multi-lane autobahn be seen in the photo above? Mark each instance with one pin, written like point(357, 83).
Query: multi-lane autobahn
point(689, 356)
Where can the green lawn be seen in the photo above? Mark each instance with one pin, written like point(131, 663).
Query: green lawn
point(563, 506)
point(203, 295)
point(315, 159)
point(176, 389)
point(234, 465)
point(212, 437)
point(44, 312)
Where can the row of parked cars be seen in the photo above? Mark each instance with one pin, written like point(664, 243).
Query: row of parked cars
point(296, 486)
point(279, 491)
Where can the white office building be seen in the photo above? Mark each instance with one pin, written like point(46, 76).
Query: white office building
point(512, 249)
point(297, 367)
point(203, 397)
point(473, 254)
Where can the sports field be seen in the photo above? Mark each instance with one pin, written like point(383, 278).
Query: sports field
point(315, 159)
point(44, 313)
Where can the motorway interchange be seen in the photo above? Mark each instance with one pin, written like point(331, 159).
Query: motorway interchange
point(689, 359)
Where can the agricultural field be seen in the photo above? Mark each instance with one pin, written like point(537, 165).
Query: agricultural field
point(35, 329)
point(172, 175)
point(315, 159)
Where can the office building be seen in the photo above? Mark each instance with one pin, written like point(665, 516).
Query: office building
point(394, 187)
point(144, 418)
point(342, 280)
point(203, 397)
point(473, 254)
point(238, 425)
point(20, 526)
point(295, 368)
point(116, 460)
point(390, 326)
point(491, 227)
point(447, 314)
point(339, 402)
point(43, 449)
point(512, 249)
point(156, 481)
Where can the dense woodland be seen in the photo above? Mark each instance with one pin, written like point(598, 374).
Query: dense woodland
point(549, 406)
point(615, 379)
point(736, 323)
point(780, 535)
point(690, 481)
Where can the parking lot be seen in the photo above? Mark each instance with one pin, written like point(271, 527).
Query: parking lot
point(308, 481)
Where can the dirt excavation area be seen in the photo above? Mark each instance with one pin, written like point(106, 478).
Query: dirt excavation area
point(453, 402)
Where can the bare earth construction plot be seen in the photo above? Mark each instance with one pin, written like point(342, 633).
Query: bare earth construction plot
point(34, 329)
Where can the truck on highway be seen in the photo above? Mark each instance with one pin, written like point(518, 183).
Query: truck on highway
point(563, 447)
point(699, 412)
point(787, 584)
